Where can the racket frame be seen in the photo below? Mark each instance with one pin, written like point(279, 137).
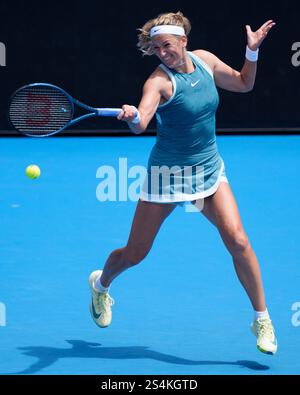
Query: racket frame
point(94, 112)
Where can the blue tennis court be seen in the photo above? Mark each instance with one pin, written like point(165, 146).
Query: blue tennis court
point(182, 310)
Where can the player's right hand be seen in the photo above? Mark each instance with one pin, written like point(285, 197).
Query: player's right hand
point(127, 114)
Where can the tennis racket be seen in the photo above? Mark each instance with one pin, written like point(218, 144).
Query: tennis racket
point(41, 109)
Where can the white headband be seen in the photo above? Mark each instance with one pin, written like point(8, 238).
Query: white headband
point(167, 29)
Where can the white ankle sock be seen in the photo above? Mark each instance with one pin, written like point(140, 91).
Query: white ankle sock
point(99, 286)
point(261, 314)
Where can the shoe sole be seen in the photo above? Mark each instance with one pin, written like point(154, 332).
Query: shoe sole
point(92, 275)
point(266, 352)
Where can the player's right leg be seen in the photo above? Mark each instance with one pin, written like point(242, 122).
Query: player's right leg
point(147, 220)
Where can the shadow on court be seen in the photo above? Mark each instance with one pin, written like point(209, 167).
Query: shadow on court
point(80, 349)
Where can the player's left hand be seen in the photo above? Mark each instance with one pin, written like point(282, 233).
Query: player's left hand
point(256, 38)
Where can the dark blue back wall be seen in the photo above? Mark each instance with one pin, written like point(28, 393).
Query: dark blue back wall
point(89, 49)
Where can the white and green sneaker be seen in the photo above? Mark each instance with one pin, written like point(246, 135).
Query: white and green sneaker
point(263, 329)
point(100, 306)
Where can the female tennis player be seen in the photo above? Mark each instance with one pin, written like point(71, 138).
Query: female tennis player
point(182, 93)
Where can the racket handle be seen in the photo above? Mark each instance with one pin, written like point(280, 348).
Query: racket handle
point(114, 112)
point(109, 112)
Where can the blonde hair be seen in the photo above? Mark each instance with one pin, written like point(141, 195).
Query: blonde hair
point(144, 40)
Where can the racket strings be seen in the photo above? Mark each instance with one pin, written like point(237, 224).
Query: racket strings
point(40, 110)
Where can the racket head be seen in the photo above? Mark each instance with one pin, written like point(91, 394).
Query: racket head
point(40, 109)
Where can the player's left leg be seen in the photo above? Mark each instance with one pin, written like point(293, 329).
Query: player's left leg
point(221, 209)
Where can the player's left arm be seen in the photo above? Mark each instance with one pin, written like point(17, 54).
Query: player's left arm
point(230, 79)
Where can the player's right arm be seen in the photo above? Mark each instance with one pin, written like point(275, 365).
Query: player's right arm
point(152, 94)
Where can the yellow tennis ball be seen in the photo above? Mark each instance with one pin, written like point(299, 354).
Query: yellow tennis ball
point(33, 171)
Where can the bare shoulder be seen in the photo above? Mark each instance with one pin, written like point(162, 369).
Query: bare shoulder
point(157, 80)
point(207, 57)
point(158, 75)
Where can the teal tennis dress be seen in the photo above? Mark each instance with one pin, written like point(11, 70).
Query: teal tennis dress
point(184, 164)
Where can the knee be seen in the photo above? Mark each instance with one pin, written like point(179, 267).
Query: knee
point(237, 241)
point(135, 254)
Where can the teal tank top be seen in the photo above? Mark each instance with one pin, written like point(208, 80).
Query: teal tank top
point(186, 137)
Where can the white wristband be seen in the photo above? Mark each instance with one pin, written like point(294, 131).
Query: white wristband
point(252, 56)
point(137, 117)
